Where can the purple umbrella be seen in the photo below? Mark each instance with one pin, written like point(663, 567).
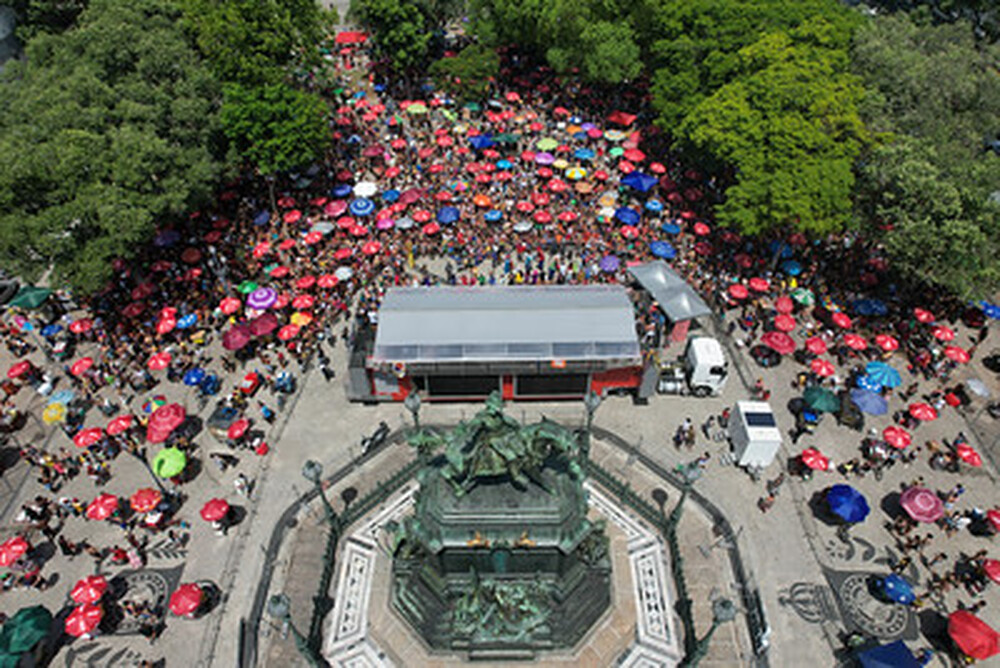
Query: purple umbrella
point(544, 158)
point(922, 504)
point(262, 298)
point(385, 223)
point(263, 325)
point(236, 337)
point(609, 263)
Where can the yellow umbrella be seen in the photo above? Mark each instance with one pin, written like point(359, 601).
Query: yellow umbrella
point(54, 413)
point(560, 164)
point(301, 318)
point(575, 173)
point(607, 199)
point(614, 135)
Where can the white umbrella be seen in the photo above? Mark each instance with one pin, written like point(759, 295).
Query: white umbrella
point(365, 189)
point(343, 273)
point(978, 387)
point(404, 223)
point(523, 226)
point(323, 227)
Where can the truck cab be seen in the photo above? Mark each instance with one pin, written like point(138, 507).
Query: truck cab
point(705, 366)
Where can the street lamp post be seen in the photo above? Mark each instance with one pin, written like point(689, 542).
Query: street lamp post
point(412, 403)
point(279, 607)
point(591, 401)
point(312, 471)
point(723, 611)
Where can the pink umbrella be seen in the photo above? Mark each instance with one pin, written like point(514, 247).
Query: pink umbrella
point(236, 337)
point(167, 417)
point(922, 504)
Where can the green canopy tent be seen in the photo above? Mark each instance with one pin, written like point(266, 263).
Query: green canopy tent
point(30, 297)
point(821, 399)
point(22, 633)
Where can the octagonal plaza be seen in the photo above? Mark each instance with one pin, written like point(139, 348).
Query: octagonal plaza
point(642, 627)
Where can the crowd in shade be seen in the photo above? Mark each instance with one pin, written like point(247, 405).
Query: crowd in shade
point(549, 182)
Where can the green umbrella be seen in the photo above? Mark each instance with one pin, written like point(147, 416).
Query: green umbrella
point(546, 144)
point(821, 399)
point(417, 108)
point(804, 296)
point(448, 113)
point(169, 462)
point(616, 151)
point(24, 630)
point(506, 138)
point(246, 287)
point(472, 106)
point(30, 297)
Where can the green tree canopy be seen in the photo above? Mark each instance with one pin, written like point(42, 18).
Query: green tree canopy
point(401, 31)
point(467, 75)
point(106, 130)
point(787, 123)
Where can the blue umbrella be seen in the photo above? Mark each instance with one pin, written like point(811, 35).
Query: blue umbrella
point(991, 310)
point(166, 238)
point(390, 195)
point(791, 267)
point(670, 228)
point(262, 218)
point(379, 87)
point(341, 190)
point(62, 397)
point(51, 330)
point(354, 139)
point(626, 215)
point(639, 181)
point(479, 142)
point(786, 250)
point(894, 655)
point(654, 205)
point(504, 164)
point(194, 377)
point(609, 263)
point(869, 383)
point(869, 307)
point(883, 374)
point(847, 503)
point(869, 402)
point(190, 320)
point(584, 154)
point(663, 250)
point(493, 215)
point(897, 588)
point(448, 215)
point(362, 206)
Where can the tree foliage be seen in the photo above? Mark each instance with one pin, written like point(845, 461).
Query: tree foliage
point(37, 16)
point(106, 131)
point(401, 31)
point(926, 190)
point(467, 75)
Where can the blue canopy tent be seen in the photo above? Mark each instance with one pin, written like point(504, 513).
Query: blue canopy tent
point(894, 655)
point(847, 503)
point(869, 402)
point(639, 181)
point(626, 215)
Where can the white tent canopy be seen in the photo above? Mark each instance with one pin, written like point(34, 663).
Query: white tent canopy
point(676, 298)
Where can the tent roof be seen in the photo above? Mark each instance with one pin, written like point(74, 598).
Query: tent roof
point(438, 324)
point(676, 298)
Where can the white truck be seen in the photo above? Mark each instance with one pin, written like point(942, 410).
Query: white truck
point(754, 434)
point(702, 370)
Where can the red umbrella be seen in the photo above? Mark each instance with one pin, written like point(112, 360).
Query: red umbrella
point(922, 504)
point(628, 232)
point(815, 459)
point(841, 319)
point(371, 247)
point(701, 229)
point(540, 199)
point(897, 437)
point(283, 300)
point(287, 244)
point(302, 302)
point(743, 260)
point(822, 367)
point(293, 216)
point(263, 325)
point(167, 417)
point(280, 271)
point(143, 290)
point(19, 369)
point(972, 635)
point(12, 549)
point(784, 322)
point(186, 599)
point(779, 342)
point(957, 354)
point(238, 428)
point(119, 425)
point(312, 238)
point(634, 154)
point(342, 254)
point(89, 590)
point(524, 206)
point(327, 281)
point(783, 304)
point(237, 336)
point(81, 326)
point(968, 455)
point(942, 333)
point(88, 437)
point(159, 361)
point(543, 217)
point(214, 510)
point(421, 215)
point(886, 342)
point(855, 342)
point(81, 365)
point(431, 228)
point(84, 619)
point(165, 326)
point(992, 569)
point(230, 305)
point(816, 345)
point(261, 249)
point(191, 256)
point(738, 291)
point(102, 507)
point(923, 315)
point(759, 284)
point(288, 332)
point(168, 313)
point(358, 231)
point(922, 411)
point(145, 500)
